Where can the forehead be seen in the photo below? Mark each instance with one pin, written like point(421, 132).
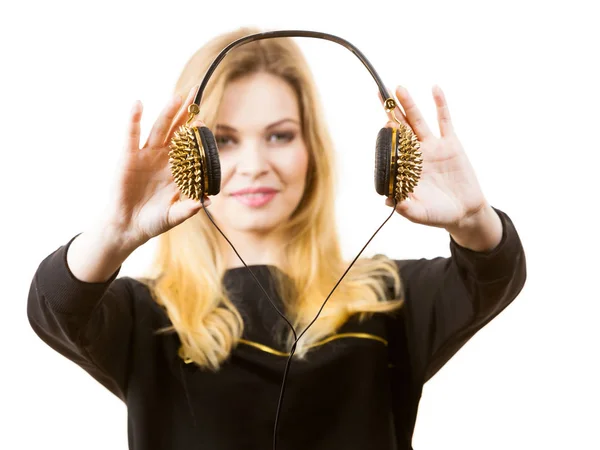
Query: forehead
point(256, 101)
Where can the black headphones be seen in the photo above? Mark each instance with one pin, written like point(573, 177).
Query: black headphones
point(194, 155)
point(195, 166)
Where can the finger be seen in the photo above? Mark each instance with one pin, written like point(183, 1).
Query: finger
point(184, 209)
point(443, 113)
point(182, 114)
point(397, 111)
point(132, 140)
point(163, 123)
point(402, 207)
point(414, 116)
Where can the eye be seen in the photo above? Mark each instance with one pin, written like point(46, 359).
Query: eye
point(222, 140)
point(283, 137)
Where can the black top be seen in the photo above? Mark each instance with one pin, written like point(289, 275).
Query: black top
point(355, 392)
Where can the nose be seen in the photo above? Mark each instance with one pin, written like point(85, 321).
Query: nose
point(253, 161)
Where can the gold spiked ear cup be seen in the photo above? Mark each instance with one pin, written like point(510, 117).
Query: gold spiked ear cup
point(194, 161)
point(398, 162)
point(195, 166)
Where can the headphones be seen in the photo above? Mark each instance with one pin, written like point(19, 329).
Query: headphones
point(195, 166)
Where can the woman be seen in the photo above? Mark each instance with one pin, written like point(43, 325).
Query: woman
point(196, 351)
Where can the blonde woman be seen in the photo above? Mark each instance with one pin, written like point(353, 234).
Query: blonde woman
point(195, 349)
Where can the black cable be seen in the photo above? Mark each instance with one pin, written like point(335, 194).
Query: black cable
point(296, 338)
point(236, 252)
point(310, 324)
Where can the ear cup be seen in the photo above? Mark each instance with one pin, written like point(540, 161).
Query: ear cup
point(194, 161)
point(211, 160)
point(383, 152)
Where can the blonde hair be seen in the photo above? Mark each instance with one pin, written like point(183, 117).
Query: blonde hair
point(186, 273)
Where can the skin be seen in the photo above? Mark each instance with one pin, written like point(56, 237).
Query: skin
point(258, 147)
point(448, 194)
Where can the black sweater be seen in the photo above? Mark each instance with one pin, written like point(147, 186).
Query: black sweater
point(359, 391)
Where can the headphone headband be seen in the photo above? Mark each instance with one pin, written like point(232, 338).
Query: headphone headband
point(390, 103)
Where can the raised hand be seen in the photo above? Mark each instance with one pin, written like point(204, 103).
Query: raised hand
point(145, 200)
point(448, 192)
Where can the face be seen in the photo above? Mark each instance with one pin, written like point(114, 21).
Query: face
point(260, 148)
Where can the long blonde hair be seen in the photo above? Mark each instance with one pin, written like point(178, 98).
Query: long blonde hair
point(186, 273)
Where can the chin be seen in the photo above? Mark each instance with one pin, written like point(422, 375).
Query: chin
point(243, 218)
point(255, 224)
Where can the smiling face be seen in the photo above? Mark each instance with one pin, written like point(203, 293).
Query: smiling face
point(260, 146)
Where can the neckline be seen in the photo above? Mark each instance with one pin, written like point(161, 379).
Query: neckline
point(252, 266)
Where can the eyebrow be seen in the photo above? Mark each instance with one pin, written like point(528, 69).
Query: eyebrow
point(274, 124)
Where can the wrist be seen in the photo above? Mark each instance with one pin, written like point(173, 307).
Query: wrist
point(96, 254)
point(115, 239)
point(480, 232)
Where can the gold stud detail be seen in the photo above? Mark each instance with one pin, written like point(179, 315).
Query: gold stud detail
point(408, 162)
point(186, 162)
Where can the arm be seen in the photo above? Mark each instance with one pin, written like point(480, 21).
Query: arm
point(89, 322)
point(449, 299)
point(482, 232)
point(95, 255)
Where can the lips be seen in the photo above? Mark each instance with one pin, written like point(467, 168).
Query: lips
point(256, 199)
point(255, 190)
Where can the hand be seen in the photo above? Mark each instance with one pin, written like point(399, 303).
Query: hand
point(145, 200)
point(448, 193)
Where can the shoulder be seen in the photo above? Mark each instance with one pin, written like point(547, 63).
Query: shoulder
point(409, 269)
point(139, 291)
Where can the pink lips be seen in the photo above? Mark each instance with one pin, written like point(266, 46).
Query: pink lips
point(255, 197)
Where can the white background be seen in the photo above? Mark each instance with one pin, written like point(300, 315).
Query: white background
point(521, 79)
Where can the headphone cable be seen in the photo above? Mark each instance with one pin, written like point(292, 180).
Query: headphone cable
point(296, 338)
